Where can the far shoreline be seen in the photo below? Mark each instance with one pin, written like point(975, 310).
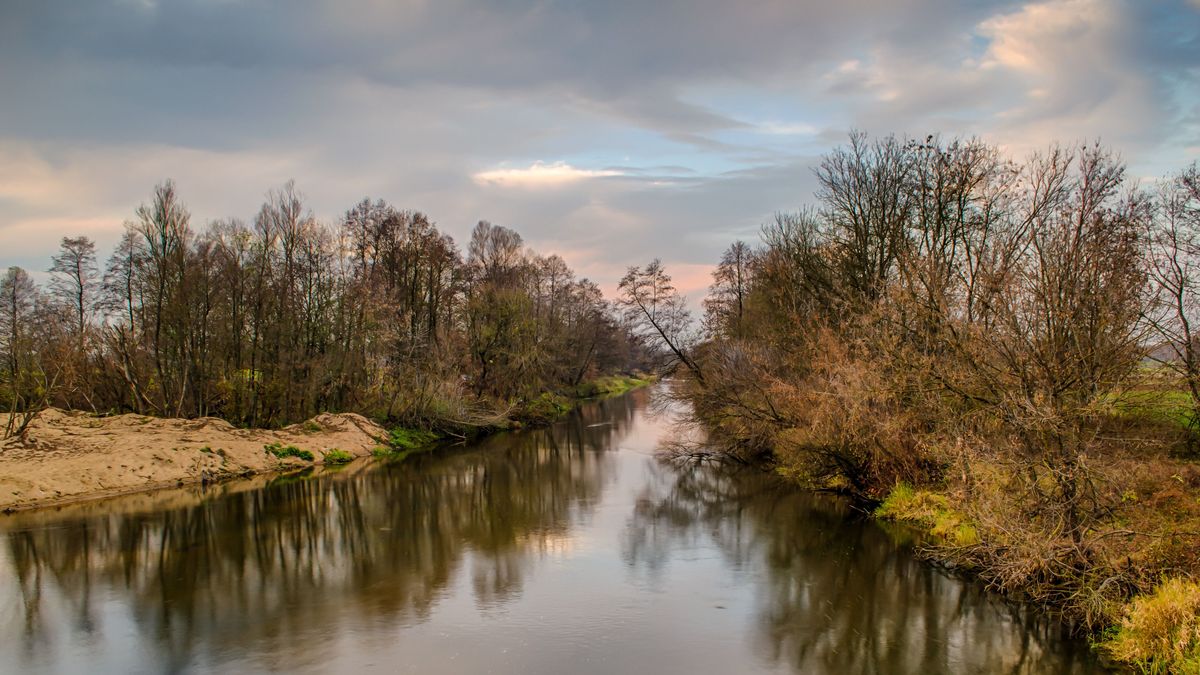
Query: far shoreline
point(67, 458)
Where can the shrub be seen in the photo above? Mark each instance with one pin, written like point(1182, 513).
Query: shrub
point(336, 456)
point(1161, 631)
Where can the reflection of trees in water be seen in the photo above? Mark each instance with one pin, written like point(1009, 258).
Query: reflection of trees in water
point(835, 593)
point(265, 567)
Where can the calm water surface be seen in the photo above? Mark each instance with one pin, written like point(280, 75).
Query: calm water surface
point(564, 550)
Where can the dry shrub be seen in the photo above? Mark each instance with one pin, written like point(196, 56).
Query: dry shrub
point(851, 425)
point(738, 402)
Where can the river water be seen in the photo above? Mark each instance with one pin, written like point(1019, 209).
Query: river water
point(571, 550)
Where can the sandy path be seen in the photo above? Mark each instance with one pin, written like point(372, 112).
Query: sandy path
point(69, 456)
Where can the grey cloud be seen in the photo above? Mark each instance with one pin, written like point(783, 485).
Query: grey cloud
point(407, 100)
point(629, 57)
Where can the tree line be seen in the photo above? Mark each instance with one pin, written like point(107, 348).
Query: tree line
point(270, 322)
point(1018, 336)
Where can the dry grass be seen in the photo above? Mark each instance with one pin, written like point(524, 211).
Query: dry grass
point(1160, 632)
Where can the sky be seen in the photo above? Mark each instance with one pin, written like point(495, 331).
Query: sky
point(609, 132)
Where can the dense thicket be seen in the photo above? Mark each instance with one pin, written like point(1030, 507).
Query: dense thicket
point(274, 321)
point(1018, 337)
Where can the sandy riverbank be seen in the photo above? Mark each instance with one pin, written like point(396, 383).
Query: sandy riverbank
point(68, 456)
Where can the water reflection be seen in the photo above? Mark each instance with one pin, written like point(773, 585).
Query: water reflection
point(563, 550)
point(835, 593)
point(263, 567)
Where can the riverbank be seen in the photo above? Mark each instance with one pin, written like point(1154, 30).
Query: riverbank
point(66, 456)
point(1125, 576)
point(550, 406)
point(1135, 594)
point(1128, 583)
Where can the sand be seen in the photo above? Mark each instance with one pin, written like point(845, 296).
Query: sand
point(71, 456)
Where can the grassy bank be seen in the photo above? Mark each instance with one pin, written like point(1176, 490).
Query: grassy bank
point(1144, 602)
point(539, 411)
point(552, 405)
point(1129, 581)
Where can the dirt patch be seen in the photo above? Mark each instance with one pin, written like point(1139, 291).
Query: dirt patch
point(69, 456)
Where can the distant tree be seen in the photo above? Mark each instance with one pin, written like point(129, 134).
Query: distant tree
point(497, 252)
point(119, 288)
point(725, 306)
point(658, 313)
point(1174, 268)
point(74, 278)
point(27, 386)
point(500, 313)
point(276, 321)
point(18, 295)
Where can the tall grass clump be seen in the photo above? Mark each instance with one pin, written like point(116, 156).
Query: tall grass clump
point(930, 511)
point(1160, 632)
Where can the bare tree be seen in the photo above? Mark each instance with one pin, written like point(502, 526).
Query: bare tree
point(1175, 270)
point(73, 279)
point(1059, 326)
point(725, 306)
point(865, 195)
point(275, 322)
point(27, 385)
point(659, 313)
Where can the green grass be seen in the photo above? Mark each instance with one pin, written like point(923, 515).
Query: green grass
point(281, 451)
point(545, 408)
point(396, 456)
point(611, 385)
point(1173, 406)
point(930, 511)
point(400, 439)
point(336, 456)
point(402, 442)
point(386, 453)
point(297, 476)
point(311, 427)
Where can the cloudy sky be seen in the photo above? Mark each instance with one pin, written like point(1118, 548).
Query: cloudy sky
point(608, 131)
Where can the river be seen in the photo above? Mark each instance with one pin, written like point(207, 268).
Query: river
point(573, 549)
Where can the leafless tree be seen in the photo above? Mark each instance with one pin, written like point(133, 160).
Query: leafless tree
point(1175, 270)
point(74, 278)
point(659, 313)
point(725, 306)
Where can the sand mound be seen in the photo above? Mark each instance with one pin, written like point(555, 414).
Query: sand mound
point(66, 456)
